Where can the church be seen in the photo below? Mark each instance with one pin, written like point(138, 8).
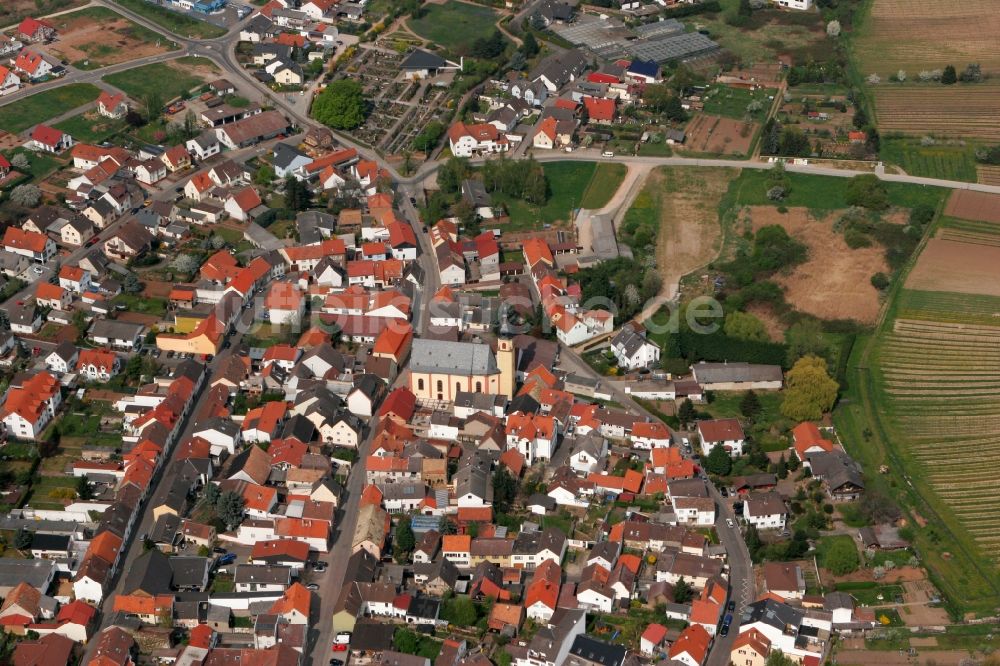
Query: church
point(439, 370)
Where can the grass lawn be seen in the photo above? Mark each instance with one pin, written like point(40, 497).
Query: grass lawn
point(30, 111)
point(949, 162)
point(603, 184)
point(823, 192)
point(570, 184)
point(869, 593)
point(40, 164)
point(91, 130)
point(265, 335)
point(52, 489)
point(454, 25)
point(824, 544)
point(659, 149)
point(175, 22)
point(729, 102)
point(142, 304)
point(168, 80)
point(727, 405)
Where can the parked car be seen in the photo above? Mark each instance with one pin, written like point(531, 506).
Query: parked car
point(218, 550)
point(228, 558)
point(312, 587)
point(730, 524)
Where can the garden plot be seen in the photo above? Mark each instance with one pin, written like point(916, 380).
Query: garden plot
point(722, 136)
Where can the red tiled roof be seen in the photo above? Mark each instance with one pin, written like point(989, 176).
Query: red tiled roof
point(19, 239)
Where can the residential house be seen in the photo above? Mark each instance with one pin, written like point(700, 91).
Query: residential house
point(727, 433)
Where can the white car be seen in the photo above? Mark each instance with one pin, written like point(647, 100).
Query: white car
point(343, 638)
point(730, 524)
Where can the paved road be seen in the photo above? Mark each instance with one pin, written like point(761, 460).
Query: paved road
point(741, 582)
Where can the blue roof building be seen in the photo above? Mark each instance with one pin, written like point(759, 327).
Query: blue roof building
point(646, 69)
point(209, 6)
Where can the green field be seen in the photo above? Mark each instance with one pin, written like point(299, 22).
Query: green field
point(722, 100)
point(91, 130)
point(25, 113)
point(923, 399)
point(949, 162)
point(572, 185)
point(177, 23)
point(454, 25)
point(823, 192)
point(168, 80)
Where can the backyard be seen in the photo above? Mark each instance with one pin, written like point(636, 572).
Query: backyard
point(90, 127)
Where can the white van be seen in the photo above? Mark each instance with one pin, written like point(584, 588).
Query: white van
point(607, 153)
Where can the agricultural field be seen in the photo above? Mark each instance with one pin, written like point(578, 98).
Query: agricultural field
point(960, 111)
point(38, 108)
point(950, 161)
point(97, 37)
point(175, 22)
point(932, 411)
point(720, 136)
point(835, 281)
point(915, 35)
point(988, 174)
point(971, 205)
point(572, 185)
point(175, 78)
point(454, 25)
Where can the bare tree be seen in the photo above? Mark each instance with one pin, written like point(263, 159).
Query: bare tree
point(833, 28)
point(26, 195)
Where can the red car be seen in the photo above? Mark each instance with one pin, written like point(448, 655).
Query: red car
point(339, 647)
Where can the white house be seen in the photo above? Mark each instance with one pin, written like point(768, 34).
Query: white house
point(468, 140)
point(632, 349)
point(30, 405)
point(803, 5)
point(698, 511)
point(587, 453)
point(727, 433)
point(766, 511)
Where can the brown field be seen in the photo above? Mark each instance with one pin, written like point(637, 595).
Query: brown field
point(835, 282)
point(988, 174)
point(690, 235)
point(919, 35)
point(954, 266)
point(969, 205)
point(724, 136)
point(968, 111)
point(104, 42)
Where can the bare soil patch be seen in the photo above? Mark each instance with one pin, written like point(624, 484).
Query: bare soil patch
point(971, 205)
point(102, 42)
point(835, 282)
point(157, 289)
point(949, 265)
point(690, 234)
point(139, 318)
point(715, 134)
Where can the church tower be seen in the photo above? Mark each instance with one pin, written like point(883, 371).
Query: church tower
point(508, 370)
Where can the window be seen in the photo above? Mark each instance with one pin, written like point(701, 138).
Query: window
point(458, 387)
point(479, 387)
point(440, 386)
point(420, 384)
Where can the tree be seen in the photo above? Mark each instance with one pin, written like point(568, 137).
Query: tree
point(83, 488)
point(229, 509)
point(810, 390)
point(26, 195)
point(949, 76)
point(529, 45)
point(686, 413)
point(451, 174)
point(264, 175)
point(867, 191)
point(131, 284)
point(490, 47)
point(429, 136)
point(880, 281)
point(806, 337)
point(405, 541)
point(504, 490)
point(793, 461)
point(750, 405)
point(460, 611)
point(20, 161)
point(776, 193)
point(406, 641)
point(718, 461)
point(217, 242)
point(341, 105)
point(833, 28)
point(538, 21)
point(973, 73)
point(745, 326)
point(185, 263)
point(683, 592)
point(152, 106)
point(297, 194)
point(752, 538)
point(781, 469)
point(777, 658)
point(191, 128)
point(211, 495)
point(22, 539)
point(840, 556)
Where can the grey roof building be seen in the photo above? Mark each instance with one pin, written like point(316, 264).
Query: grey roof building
point(460, 358)
point(36, 573)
